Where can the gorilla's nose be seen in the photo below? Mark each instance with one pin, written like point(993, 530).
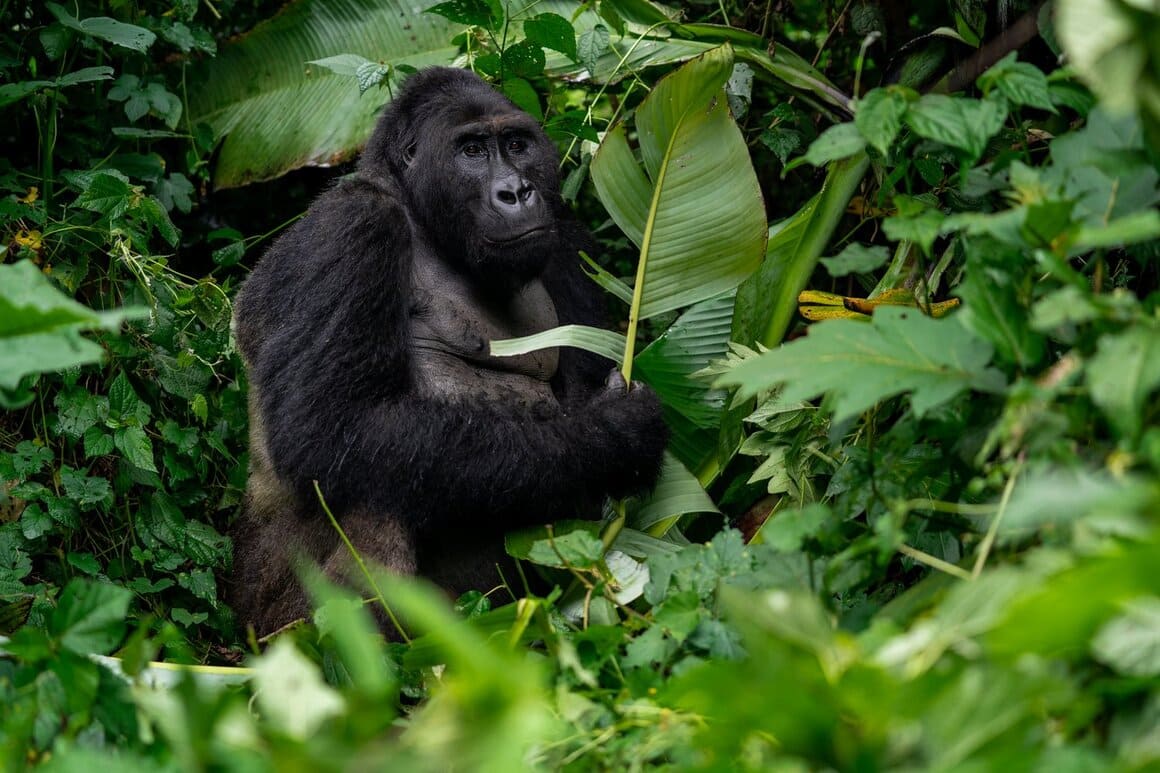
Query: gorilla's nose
point(513, 195)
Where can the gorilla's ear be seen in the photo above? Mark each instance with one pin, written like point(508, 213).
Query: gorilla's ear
point(408, 154)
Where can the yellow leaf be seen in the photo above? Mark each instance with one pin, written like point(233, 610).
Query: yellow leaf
point(30, 239)
point(817, 305)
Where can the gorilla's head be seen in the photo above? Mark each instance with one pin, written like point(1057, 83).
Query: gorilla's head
point(479, 172)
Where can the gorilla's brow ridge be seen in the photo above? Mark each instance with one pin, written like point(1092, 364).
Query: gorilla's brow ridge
point(492, 127)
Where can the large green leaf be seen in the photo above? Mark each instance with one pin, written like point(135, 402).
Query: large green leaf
point(699, 337)
point(677, 493)
point(40, 326)
point(278, 113)
point(701, 230)
point(860, 364)
point(627, 55)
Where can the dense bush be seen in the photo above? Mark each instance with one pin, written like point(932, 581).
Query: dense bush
point(925, 402)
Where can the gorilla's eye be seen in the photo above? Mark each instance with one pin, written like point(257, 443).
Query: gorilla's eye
point(474, 149)
point(517, 145)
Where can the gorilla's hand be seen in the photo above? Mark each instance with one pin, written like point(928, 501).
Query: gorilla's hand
point(631, 433)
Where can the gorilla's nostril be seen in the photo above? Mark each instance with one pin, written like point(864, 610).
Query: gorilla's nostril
point(506, 197)
point(527, 193)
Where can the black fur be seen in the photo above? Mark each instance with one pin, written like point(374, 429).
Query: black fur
point(364, 329)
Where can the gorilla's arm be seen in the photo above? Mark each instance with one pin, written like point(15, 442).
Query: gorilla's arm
point(579, 301)
point(339, 404)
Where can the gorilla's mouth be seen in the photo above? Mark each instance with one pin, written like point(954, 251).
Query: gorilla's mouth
point(505, 241)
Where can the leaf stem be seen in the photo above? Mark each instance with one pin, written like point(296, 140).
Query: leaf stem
point(934, 563)
point(993, 530)
point(361, 564)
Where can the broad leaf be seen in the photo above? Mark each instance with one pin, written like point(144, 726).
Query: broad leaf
point(677, 492)
point(105, 28)
point(696, 241)
point(700, 336)
point(40, 326)
point(90, 618)
point(861, 365)
point(279, 113)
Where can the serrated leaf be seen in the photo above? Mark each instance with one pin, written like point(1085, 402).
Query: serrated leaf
point(136, 446)
point(97, 442)
point(108, 195)
point(901, 351)
point(578, 548)
point(591, 46)
point(479, 13)
point(992, 310)
point(787, 529)
point(522, 60)
point(957, 122)
point(123, 400)
point(1021, 83)
point(370, 75)
point(85, 562)
point(90, 618)
point(83, 489)
point(879, 116)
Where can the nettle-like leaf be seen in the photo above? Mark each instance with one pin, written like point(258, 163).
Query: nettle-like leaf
point(880, 113)
point(902, 351)
point(963, 124)
point(40, 326)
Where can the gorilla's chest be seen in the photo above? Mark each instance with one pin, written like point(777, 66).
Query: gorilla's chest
point(453, 323)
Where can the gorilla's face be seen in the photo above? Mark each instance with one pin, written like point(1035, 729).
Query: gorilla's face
point(483, 181)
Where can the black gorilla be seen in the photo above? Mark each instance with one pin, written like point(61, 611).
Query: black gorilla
point(365, 331)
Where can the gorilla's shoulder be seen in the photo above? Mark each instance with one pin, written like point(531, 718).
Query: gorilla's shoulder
point(360, 198)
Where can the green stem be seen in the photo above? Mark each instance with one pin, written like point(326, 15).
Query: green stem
point(934, 563)
point(361, 565)
point(993, 530)
point(642, 265)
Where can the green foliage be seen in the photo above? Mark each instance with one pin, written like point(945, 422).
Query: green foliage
point(945, 497)
point(862, 365)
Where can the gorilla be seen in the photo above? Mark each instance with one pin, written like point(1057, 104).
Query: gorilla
point(365, 333)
